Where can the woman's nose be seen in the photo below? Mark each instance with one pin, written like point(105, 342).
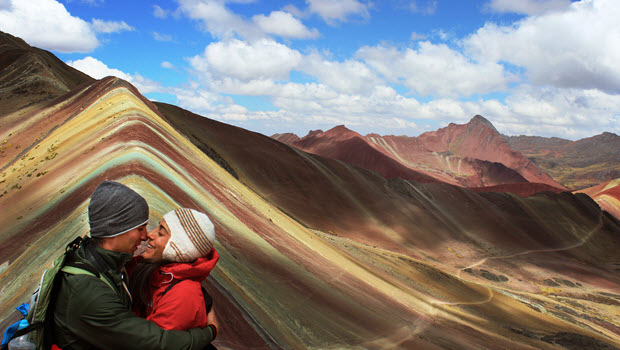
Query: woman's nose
point(151, 234)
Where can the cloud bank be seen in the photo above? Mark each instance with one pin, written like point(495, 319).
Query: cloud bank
point(553, 72)
point(47, 24)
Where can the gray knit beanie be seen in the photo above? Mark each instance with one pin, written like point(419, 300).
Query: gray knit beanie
point(115, 209)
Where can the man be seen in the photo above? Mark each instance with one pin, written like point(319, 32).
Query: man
point(90, 313)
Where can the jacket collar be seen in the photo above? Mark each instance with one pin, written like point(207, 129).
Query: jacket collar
point(197, 270)
point(114, 260)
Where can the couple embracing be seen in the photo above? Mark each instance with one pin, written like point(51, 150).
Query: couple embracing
point(160, 304)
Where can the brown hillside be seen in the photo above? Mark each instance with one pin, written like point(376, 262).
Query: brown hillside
point(29, 75)
point(579, 164)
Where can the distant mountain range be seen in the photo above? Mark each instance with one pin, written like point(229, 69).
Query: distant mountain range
point(473, 155)
point(576, 164)
point(316, 251)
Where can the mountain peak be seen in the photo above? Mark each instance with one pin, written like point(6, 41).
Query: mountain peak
point(340, 129)
point(287, 138)
point(480, 120)
point(314, 132)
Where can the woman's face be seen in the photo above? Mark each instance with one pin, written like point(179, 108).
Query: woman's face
point(156, 243)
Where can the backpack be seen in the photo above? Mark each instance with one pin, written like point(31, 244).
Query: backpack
point(40, 315)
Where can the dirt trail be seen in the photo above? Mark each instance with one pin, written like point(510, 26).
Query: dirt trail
point(549, 250)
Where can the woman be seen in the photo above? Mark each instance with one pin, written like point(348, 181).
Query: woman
point(166, 284)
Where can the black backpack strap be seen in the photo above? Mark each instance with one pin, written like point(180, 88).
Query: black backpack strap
point(207, 297)
point(93, 257)
point(26, 330)
point(170, 287)
point(30, 328)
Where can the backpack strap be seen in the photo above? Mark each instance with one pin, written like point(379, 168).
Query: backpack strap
point(207, 297)
point(83, 270)
point(93, 257)
point(170, 287)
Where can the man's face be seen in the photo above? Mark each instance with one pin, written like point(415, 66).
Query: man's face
point(129, 241)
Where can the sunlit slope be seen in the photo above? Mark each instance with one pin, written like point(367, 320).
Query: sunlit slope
point(607, 195)
point(403, 266)
point(473, 154)
point(433, 239)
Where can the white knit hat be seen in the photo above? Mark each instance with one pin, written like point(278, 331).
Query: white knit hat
point(191, 235)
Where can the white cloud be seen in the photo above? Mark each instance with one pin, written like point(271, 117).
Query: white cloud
point(545, 108)
point(262, 59)
point(417, 36)
point(350, 76)
point(530, 110)
point(166, 64)
point(101, 26)
point(146, 85)
point(360, 91)
point(223, 23)
point(160, 12)
point(90, 2)
point(210, 104)
point(47, 24)
point(162, 37)
point(428, 8)
point(218, 20)
point(527, 7)
point(577, 48)
point(435, 70)
point(540, 111)
point(334, 11)
point(292, 9)
point(99, 70)
point(283, 24)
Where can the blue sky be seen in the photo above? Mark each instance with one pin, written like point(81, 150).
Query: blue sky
point(533, 67)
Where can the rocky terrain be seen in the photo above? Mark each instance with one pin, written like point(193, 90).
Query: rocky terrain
point(315, 252)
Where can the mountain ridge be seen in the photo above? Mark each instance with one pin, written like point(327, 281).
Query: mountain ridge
point(599, 154)
point(579, 164)
point(450, 154)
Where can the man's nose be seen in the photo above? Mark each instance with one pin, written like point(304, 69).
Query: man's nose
point(149, 235)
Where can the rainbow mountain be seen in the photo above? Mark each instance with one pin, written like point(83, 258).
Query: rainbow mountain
point(315, 252)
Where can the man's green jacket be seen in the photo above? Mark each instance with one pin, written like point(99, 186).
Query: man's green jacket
point(89, 314)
